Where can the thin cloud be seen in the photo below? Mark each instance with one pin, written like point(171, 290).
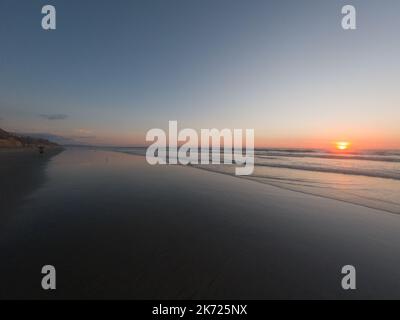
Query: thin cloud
point(84, 131)
point(84, 137)
point(84, 134)
point(54, 116)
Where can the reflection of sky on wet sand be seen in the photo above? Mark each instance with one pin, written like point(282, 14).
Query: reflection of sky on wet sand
point(372, 192)
point(116, 227)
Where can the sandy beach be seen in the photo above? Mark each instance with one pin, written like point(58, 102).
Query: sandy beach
point(115, 227)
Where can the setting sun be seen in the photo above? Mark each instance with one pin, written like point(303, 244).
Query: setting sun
point(342, 145)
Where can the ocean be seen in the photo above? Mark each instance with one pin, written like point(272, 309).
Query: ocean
point(370, 178)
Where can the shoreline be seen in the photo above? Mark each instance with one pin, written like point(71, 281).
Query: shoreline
point(300, 191)
point(287, 188)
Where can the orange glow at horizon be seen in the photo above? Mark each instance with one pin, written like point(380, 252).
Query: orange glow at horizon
point(342, 145)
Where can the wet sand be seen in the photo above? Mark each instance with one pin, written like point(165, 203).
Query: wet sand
point(21, 171)
point(115, 227)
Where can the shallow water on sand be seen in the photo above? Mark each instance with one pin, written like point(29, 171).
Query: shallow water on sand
point(369, 178)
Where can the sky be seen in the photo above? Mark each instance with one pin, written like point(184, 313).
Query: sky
point(112, 70)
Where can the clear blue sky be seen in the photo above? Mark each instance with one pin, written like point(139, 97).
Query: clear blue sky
point(114, 69)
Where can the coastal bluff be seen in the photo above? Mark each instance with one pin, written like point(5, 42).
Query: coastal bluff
point(10, 140)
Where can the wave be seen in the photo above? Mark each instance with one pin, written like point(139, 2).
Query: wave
point(376, 164)
point(351, 171)
point(386, 152)
point(334, 156)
